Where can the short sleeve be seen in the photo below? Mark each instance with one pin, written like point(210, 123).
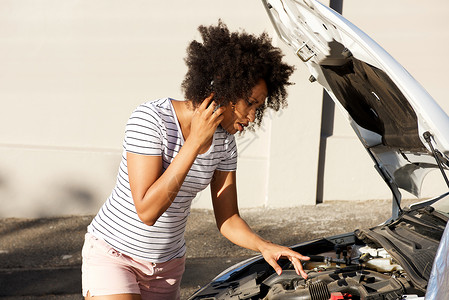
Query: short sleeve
point(229, 161)
point(143, 132)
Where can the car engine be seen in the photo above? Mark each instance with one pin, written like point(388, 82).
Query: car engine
point(353, 273)
point(373, 276)
point(386, 262)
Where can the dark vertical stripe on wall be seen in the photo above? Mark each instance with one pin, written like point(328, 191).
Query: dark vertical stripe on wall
point(327, 123)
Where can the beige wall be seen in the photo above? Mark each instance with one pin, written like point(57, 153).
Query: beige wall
point(72, 71)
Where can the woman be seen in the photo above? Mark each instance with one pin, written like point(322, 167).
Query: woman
point(135, 246)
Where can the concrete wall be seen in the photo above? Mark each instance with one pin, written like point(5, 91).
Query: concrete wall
point(72, 71)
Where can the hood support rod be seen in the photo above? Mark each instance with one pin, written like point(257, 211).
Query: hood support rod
point(427, 136)
point(397, 197)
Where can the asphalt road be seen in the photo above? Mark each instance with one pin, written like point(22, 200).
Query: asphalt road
point(41, 258)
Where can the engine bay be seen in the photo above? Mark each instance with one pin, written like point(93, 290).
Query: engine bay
point(353, 272)
point(361, 273)
point(389, 261)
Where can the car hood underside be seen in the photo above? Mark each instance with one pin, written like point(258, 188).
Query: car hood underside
point(400, 125)
point(385, 112)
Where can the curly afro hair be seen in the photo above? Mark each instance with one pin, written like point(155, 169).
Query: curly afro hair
point(230, 64)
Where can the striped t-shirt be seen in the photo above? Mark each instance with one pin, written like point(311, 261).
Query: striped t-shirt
point(153, 129)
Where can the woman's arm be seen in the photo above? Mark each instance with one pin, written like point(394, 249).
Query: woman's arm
point(234, 228)
point(154, 191)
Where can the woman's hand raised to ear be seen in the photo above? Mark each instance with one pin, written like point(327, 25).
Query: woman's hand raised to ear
point(205, 121)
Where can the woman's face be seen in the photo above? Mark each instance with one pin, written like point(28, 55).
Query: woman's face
point(237, 117)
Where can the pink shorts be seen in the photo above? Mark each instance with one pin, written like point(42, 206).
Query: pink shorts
point(106, 271)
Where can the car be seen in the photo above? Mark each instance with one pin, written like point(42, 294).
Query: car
point(405, 133)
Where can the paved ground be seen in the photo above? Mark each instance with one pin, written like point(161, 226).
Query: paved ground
point(40, 258)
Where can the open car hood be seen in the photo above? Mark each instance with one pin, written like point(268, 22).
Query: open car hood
point(401, 126)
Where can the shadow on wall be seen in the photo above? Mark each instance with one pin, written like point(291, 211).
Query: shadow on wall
point(3, 185)
point(6, 195)
point(67, 196)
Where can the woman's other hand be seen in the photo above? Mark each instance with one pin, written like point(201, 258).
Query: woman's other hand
point(272, 253)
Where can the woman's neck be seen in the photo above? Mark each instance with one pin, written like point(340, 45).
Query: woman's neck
point(184, 113)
